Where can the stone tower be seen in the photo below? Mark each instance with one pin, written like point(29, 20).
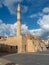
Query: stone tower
point(18, 21)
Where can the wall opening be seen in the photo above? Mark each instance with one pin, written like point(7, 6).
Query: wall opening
point(16, 49)
point(25, 48)
point(0, 37)
point(11, 47)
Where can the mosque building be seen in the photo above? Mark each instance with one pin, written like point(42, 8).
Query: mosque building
point(21, 43)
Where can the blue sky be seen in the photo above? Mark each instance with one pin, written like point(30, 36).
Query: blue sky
point(34, 17)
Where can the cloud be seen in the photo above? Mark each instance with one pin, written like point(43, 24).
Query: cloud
point(44, 25)
point(24, 8)
point(10, 29)
point(36, 15)
point(1, 4)
point(12, 5)
point(43, 31)
point(46, 10)
point(36, 32)
point(7, 29)
point(24, 29)
point(40, 14)
point(44, 22)
point(33, 15)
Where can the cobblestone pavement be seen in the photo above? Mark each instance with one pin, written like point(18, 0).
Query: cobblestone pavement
point(26, 59)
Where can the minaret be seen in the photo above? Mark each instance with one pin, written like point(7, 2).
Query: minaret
point(18, 21)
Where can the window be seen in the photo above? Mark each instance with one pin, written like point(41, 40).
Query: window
point(25, 47)
point(0, 37)
point(16, 47)
point(11, 47)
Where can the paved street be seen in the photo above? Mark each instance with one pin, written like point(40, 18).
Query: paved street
point(25, 59)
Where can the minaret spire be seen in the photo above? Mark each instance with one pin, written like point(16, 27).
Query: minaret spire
point(18, 21)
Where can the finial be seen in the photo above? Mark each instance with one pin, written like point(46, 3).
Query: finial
point(18, 7)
